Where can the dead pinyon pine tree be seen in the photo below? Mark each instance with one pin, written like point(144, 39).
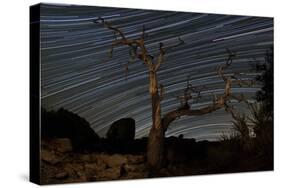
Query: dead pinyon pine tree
point(160, 123)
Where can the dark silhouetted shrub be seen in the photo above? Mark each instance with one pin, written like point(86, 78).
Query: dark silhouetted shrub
point(65, 124)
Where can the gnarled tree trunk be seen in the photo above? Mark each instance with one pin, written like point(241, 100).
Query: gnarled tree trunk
point(155, 148)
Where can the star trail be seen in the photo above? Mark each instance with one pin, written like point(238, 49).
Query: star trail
point(78, 74)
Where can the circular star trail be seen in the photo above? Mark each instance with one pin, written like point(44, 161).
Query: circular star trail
point(78, 74)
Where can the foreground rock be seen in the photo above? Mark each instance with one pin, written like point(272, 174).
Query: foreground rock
point(60, 165)
point(62, 145)
point(49, 157)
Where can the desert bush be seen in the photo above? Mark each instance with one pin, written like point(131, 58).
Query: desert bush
point(263, 127)
point(241, 127)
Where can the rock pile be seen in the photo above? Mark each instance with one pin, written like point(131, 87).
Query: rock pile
point(59, 164)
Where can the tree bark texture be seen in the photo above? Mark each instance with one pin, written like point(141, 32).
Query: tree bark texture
point(155, 148)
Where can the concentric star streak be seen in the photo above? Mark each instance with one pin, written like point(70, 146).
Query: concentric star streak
point(77, 73)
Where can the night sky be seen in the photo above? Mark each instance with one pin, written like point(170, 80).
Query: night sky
point(77, 73)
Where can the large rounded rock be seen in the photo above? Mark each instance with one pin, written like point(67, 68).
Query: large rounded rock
point(115, 160)
point(122, 130)
point(49, 157)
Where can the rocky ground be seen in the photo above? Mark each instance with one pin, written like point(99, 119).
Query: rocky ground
point(59, 164)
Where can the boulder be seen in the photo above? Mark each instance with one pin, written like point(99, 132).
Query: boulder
point(95, 167)
point(115, 160)
point(68, 168)
point(61, 175)
point(49, 157)
point(122, 130)
point(110, 174)
point(135, 159)
point(88, 158)
point(62, 145)
point(135, 168)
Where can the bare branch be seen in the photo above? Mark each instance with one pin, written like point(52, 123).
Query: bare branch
point(186, 111)
point(108, 25)
point(229, 60)
point(160, 60)
point(134, 44)
point(187, 96)
point(241, 82)
point(218, 102)
point(163, 51)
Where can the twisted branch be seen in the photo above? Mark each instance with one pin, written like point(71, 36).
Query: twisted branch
point(218, 103)
point(134, 44)
point(163, 50)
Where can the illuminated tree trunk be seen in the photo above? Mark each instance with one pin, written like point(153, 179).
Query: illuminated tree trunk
point(155, 148)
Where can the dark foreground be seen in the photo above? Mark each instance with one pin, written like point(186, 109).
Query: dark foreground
point(61, 163)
